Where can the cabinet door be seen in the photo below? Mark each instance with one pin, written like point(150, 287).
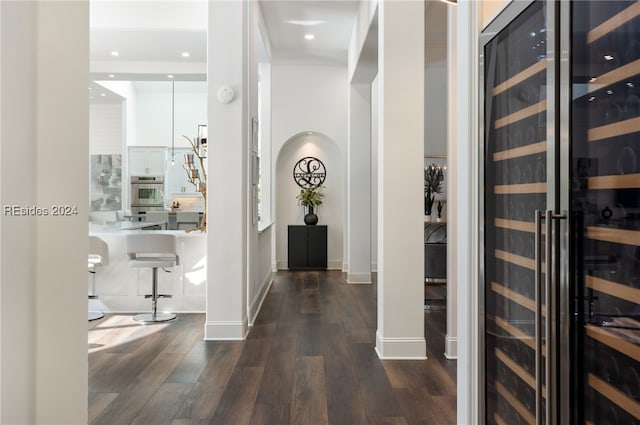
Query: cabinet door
point(137, 162)
point(317, 247)
point(177, 179)
point(156, 161)
point(297, 246)
point(147, 161)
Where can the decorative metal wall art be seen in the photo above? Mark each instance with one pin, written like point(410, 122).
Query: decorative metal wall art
point(309, 172)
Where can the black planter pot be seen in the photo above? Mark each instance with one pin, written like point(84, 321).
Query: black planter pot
point(310, 219)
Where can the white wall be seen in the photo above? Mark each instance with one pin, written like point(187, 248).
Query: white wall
point(153, 112)
point(45, 120)
point(332, 209)
point(435, 109)
point(374, 175)
point(310, 99)
point(106, 129)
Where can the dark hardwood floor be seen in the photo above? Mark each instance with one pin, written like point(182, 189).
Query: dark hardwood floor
point(309, 359)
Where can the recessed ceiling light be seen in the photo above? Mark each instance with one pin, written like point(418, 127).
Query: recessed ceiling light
point(170, 76)
point(629, 84)
point(111, 76)
point(115, 53)
point(185, 54)
point(608, 57)
point(306, 22)
point(592, 98)
point(309, 36)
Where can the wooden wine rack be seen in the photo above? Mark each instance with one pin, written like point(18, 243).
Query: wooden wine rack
point(521, 151)
point(517, 259)
point(608, 234)
point(617, 75)
point(513, 189)
point(516, 297)
point(620, 128)
point(615, 395)
point(624, 181)
point(520, 77)
point(522, 114)
point(614, 289)
point(613, 23)
point(516, 404)
point(618, 343)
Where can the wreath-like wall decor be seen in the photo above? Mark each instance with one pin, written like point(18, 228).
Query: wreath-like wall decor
point(309, 172)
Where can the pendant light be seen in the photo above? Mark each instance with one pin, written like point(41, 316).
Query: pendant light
point(173, 136)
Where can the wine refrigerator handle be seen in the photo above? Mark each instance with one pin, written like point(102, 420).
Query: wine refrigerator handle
point(550, 316)
point(538, 313)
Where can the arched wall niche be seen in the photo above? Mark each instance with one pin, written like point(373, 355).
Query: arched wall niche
point(331, 212)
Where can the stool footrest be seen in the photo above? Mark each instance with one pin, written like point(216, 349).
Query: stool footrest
point(159, 296)
point(152, 318)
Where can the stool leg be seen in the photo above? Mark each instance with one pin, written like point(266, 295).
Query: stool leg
point(154, 292)
point(154, 316)
point(94, 315)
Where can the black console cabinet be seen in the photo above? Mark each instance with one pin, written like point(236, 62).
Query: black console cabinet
point(307, 247)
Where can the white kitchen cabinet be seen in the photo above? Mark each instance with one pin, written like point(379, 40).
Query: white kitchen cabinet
point(177, 182)
point(147, 161)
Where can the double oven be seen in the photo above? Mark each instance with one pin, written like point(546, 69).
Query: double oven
point(147, 194)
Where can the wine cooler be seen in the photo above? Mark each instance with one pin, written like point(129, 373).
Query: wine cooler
point(560, 213)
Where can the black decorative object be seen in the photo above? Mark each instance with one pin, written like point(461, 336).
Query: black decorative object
point(311, 219)
point(309, 172)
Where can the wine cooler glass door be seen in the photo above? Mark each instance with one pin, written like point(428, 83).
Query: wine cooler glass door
point(514, 183)
point(605, 202)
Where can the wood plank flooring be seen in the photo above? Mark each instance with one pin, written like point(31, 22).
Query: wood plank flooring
point(308, 360)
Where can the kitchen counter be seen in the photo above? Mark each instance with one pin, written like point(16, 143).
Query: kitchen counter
point(122, 288)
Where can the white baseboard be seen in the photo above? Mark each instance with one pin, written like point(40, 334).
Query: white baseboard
point(225, 331)
point(374, 267)
point(345, 267)
point(358, 278)
point(451, 347)
point(334, 265)
point(401, 348)
point(256, 304)
point(331, 265)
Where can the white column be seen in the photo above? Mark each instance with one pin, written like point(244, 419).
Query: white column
point(227, 219)
point(451, 339)
point(359, 185)
point(469, 365)
point(45, 163)
point(400, 186)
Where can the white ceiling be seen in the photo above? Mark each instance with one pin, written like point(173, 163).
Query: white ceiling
point(151, 35)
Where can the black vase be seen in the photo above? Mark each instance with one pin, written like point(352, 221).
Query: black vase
point(310, 218)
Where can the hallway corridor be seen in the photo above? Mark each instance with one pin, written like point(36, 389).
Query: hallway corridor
point(309, 359)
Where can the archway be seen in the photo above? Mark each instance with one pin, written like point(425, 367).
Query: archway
point(331, 212)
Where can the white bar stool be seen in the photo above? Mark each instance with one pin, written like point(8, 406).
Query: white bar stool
point(153, 250)
point(98, 256)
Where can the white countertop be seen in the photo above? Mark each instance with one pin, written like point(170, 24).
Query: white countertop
point(127, 228)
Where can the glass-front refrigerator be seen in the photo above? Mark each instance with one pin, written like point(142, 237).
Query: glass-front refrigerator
point(560, 213)
point(605, 209)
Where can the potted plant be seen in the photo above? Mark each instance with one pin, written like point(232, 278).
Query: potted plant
point(310, 198)
point(433, 178)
